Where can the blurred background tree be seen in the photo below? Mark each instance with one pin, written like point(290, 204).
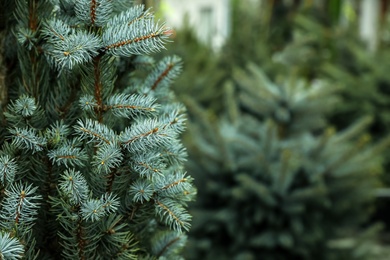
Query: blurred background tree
point(344, 43)
point(276, 181)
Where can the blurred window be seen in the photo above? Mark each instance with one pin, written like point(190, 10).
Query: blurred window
point(207, 24)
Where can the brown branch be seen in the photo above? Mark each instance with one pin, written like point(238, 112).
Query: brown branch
point(98, 88)
point(155, 130)
point(167, 246)
point(36, 72)
point(127, 42)
point(32, 18)
point(132, 214)
point(22, 197)
point(67, 156)
point(162, 76)
point(149, 167)
point(81, 242)
point(174, 183)
point(93, 11)
point(26, 137)
point(57, 34)
point(95, 134)
point(110, 181)
point(105, 108)
point(169, 212)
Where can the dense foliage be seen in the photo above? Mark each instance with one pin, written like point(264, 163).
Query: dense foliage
point(275, 181)
point(91, 162)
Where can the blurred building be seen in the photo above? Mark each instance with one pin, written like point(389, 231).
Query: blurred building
point(209, 19)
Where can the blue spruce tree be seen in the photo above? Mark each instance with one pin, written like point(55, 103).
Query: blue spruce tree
point(276, 181)
point(91, 162)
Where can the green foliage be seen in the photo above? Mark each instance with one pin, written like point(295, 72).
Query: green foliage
point(202, 71)
point(337, 54)
point(284, 38)
point(10, 248)
point(276, 182)
point(91, 162)
point(295, 38)
point(319, 50)
point(259, 30)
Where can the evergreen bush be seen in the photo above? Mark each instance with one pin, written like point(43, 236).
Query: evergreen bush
point(337, 54)
point(304, 41)
point(276, 181)
point(91, 162)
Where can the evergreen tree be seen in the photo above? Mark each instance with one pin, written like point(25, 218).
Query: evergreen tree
point(338, 55)
point(276, 182)
point(91, 163)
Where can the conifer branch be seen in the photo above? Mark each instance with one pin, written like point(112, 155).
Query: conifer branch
point(68, 155)
point(57, 134)
point(8, 169)
point(130, 16)
point(107, 157)
point(145, 134)
point(174, 184)
point(116, 236)
point(149, 167)
point(55, 30)
point(172, 214)
point(148, 164)
point(131, 106)
point(169, 212)
point(175, 120)
point(24, 106)
point(28, 138)
point(10, 247)
point(128, 39)
point(142, 135)
point(166, 243)
point(169, 244)
point(66, 47)
point(33, 76)
point(143, 38)
point(141, 190)
point(20, 207)
point(95, 209)
point(74, 186)
point(94, 131)
point(162, 75)
point(175, 154)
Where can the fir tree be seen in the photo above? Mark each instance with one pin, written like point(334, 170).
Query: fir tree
point(338, 55)
point(277, 181)
point(91, 162)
